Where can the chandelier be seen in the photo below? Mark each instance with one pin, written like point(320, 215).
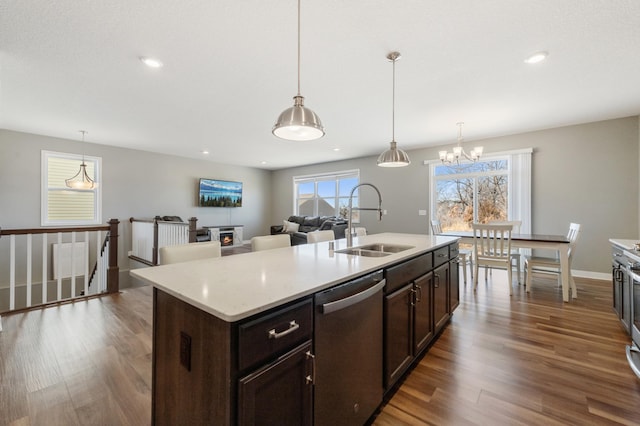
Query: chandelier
point(81, 180)
point(458, 151)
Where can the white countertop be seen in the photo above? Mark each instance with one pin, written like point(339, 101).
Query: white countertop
point(238, 286)
point(628, 246)
point(625, 244)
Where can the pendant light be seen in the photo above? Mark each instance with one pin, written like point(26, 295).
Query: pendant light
point(394, 156)
point(81, 180)
point(298, 123)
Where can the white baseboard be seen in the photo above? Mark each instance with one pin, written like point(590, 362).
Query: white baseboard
point(592, 275)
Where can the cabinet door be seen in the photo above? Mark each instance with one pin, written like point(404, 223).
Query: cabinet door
point(279, 393)
point(398, 333)
point(454, 284)
point(440, 301)
point(423, 318)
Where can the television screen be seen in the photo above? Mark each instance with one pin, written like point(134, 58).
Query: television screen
point(220, 193)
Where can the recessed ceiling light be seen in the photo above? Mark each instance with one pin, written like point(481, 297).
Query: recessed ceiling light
point(263, 162)
point(151, 62)
point(336, 149)
point(205, 152)
point(537, 57)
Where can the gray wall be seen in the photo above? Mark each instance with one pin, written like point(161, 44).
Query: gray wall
point(585, 173)
point(135, 184)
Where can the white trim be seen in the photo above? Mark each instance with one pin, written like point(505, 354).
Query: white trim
point(519, 184)
point(315, 178)
point(592, 275)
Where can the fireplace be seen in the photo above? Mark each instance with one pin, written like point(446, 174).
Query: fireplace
point(226, 238)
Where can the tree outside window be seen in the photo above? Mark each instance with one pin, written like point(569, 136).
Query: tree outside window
point(468, 193)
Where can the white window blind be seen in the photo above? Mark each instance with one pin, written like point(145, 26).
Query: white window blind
point(63, 206)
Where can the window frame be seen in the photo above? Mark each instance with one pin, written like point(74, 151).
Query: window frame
point(323, 177)
point(518, 185)
point(45, 190)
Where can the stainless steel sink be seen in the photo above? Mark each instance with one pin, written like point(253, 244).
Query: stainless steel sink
point(374, 250)
point(386, 248)
point(356, 251)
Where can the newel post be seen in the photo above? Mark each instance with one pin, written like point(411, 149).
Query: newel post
point(154, 251)
point(113, 271)
point(192, 229)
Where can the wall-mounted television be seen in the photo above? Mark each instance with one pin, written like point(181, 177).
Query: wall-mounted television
point(219, 193)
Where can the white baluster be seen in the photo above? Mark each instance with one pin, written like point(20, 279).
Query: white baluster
point(29, 250)
point(45, 256)
point(59, 266)
point(12, 272)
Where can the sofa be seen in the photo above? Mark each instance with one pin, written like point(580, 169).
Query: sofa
point(309, 224)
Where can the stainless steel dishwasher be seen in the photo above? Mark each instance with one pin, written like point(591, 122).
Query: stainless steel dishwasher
point(348, 350)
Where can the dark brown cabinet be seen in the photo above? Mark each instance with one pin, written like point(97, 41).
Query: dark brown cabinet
point(440, 296)
point(419, 301)
point(260, 370)
point(398, 331)
point(423, 320)
point(454, 284)
point(279, 393)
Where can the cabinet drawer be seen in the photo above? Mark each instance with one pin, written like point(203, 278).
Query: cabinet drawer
point(260, 339)
point(440, 256)
point(454, 251)
point(401, 274)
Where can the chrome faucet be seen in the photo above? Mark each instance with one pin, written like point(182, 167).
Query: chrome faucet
point(351, 209)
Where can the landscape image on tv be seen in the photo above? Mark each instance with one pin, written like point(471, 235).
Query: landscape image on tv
point(220, 193)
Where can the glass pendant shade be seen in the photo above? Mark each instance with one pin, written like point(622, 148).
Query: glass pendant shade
point(81, 180)
point(298, 123)
point(393, 157)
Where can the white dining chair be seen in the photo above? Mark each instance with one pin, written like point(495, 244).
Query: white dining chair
point(551, 265)
point(318, 236)
point(492, 248)
point(268, 242)
point(464, 254)
point(515, 253)
point(192, 251)
point(360, 231)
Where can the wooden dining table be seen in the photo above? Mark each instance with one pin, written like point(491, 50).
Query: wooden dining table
point(559, 243)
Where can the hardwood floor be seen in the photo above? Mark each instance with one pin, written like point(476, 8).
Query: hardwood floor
point(526, 359)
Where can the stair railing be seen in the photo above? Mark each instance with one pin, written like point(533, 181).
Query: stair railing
point(53, 265)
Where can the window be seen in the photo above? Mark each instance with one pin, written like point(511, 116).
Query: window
point(496, 188)
point(63, 206)
point(326, 194)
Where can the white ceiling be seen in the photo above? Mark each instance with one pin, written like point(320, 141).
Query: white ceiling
point(230, 69)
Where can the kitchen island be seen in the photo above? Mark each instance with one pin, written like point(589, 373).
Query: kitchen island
point(232, 334)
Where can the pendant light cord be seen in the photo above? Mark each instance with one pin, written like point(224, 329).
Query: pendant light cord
point(83, 133)
point(393, 103)
point(298, 47)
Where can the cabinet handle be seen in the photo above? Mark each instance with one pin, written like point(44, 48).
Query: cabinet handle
point(436, 283)
point(441, 255)
point(293, 326)
point(311, 378)
point(418, 293)
point(412, 297)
